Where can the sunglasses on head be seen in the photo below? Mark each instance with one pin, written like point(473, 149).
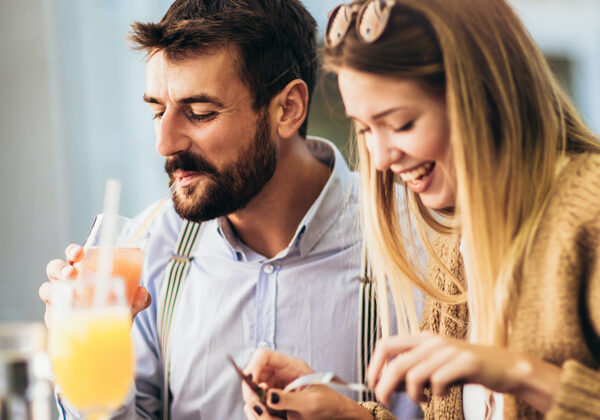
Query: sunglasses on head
point(371, 20)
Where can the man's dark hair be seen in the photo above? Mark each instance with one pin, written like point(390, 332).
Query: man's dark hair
point(276, 40)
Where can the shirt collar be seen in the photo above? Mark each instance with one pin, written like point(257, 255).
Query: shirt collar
point(331, 201)
point(321, 215)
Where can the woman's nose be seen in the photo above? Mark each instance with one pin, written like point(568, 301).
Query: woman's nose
point(383, 153)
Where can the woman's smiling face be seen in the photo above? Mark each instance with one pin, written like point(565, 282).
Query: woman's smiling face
point(406, 130)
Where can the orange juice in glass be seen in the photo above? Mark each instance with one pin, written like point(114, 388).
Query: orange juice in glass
point(90, 345)
point(128, 251)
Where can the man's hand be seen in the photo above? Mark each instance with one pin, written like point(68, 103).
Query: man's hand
point(274, 371)
point(67, 270)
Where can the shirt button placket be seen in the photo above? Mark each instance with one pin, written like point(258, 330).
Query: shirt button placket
point(266, 310)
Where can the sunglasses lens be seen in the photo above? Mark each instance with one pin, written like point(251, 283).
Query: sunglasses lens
point(338, 25)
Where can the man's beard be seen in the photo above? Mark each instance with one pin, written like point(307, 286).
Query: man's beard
point(230, 189)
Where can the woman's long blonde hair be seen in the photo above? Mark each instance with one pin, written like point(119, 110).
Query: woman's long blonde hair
point(511, 126)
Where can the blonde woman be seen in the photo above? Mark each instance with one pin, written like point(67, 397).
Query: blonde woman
point(455, 102)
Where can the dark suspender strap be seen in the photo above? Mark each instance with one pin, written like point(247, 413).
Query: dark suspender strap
point(368, 325)
point(175, 274)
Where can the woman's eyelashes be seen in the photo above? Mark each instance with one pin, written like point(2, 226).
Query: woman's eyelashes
point(405, 127)
point(361, 130)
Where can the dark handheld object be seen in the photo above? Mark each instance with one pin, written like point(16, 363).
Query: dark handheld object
point(261, 393)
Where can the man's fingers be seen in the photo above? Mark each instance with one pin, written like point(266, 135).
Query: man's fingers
point(59, 269)
point(74, 253)
point(141, 301)
point(47, 318)
point(55, 268)
point(44, 292)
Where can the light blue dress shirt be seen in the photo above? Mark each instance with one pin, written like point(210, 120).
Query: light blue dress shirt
point(303, 302)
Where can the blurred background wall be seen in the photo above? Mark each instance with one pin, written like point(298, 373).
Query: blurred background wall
point(72, 116)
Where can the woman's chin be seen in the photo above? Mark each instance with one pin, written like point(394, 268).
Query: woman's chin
point(437, 201)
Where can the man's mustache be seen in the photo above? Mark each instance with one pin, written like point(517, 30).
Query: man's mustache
point(186, 161)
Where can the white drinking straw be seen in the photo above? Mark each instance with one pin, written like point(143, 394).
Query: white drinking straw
point(152, 215)
point(105, 257)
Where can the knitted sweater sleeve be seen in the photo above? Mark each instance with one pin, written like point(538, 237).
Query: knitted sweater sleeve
point(578, 394)
point(377, 410)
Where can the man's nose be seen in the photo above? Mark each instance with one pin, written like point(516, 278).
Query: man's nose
point(383, 152)
point(171, 135)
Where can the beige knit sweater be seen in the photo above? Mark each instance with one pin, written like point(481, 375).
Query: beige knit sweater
point(556, 316)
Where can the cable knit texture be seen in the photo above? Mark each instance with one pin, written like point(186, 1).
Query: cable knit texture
point(378, 412)
point(556, 316)
point(446, 319)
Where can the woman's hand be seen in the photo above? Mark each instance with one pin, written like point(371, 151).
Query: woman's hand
point(427, 359)
point(274, 371)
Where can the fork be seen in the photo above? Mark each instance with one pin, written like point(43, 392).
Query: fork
point(325, 378)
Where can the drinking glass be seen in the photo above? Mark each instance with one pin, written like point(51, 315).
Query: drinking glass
point(128, 242)
point(90, 345)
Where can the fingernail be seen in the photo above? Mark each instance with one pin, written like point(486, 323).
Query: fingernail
point(258, 410)
point(274, 398)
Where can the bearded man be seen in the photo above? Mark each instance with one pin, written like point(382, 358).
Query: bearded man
point(274, 255)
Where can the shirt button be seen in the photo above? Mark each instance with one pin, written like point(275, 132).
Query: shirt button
point(263, 344)
point(268, 268)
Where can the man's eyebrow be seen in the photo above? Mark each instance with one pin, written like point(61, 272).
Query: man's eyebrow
point(199, 99)
point(202, 99)
point(150, 100)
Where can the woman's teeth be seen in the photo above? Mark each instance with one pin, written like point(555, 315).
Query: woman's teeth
point(417, 173)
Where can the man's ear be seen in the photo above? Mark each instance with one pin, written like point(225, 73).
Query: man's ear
point(290, 107)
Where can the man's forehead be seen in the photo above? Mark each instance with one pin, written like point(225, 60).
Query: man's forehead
point(227, 56)
point(213, 69)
